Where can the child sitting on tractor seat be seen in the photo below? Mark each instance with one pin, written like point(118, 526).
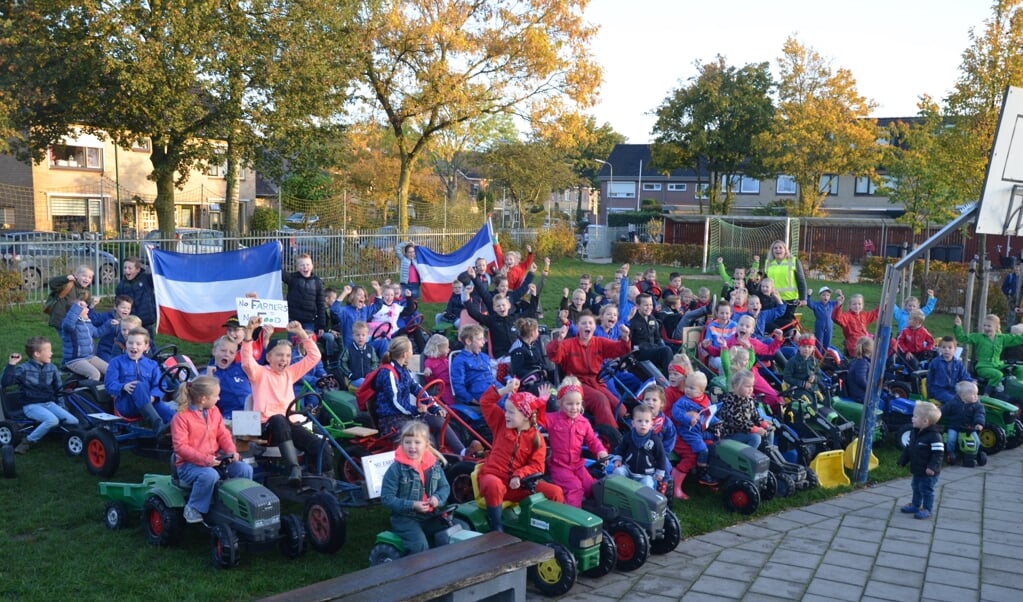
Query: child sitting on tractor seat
point(199, 435)
point(133, 379)
point(663, 427)
point(964, 416)
point(414, 486)
point(738, 413)
point(518, 451)
point(803, 369)
point(39, 383)
point(987, 347)
point(568, 430)
point(691, 444)
point(640, 456)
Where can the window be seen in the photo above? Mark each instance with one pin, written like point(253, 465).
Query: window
point(701, 191)
point(141, 146)
point(865, 186)
point(76, 157)
point(676, 187)
point(749, 185)
point(622, 190)
point(829, 183)
point(220, 170)
point(651, 187)
point(785, 185)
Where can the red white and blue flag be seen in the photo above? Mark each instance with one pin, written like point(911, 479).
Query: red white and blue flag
point(196, 293)
point(438, 270)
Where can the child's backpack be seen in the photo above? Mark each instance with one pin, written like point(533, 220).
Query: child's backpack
point(366, 392)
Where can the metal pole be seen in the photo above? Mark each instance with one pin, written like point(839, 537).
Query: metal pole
point(639, 187)
point(983, 280)
point(971, 281)
point(706, 242)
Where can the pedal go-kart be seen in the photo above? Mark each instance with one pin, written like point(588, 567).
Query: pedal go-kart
point(242, 512)
point(441, 530)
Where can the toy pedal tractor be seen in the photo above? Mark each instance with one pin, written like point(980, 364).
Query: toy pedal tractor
point(441, 530)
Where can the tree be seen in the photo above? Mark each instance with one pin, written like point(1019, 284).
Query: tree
point(991, 64)
point(431, 64)
point(454, 148)
point(820, 127)
point(582, 142)
point(202, 80)
point(716, 119)
point(530, 172)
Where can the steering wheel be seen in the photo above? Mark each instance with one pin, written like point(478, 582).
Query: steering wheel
point(431, 399)
point(328, 383)
point(530, 481)
point(162, 354)
point(380, 331)
point(309, 408)
point(533, 377)
point(172, 377)
point(413, 323)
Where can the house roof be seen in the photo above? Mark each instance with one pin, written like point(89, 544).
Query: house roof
point(626, 160)
point(265, 187)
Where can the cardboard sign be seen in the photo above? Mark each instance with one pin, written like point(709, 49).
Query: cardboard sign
point(375, 466)
point(245, 423)
point(273, 311)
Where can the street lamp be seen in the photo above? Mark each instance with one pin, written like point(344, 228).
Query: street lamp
point(610, 184)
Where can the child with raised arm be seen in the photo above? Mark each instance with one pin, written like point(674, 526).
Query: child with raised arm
point(987, 349)
point(39, 383)
point(964, 416)
point(199, 437)
point(568, 430)
point(924, 455)
point(853, 322)
point(414, 487)
point(945, 371)
point(822, 309)
point(108, 327)
point(914, 341)
point(518, 451)
point(76, 335)
point(133, 380)
point(902, 314)
point(640, 456)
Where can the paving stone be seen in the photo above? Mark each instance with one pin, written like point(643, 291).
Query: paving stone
point(788, 557)
point(719, 586)
point(953, 537)
point(965, 579)
point(896, 546)
point(941, 591)
point(736, 557)
point(855, 561)
point(843, 574)
point(733, 570)
point(1001, 563)
point(776, 587)
point(836, 590)
point(906, 563)
point(898, 576)
point(801, 516)
point(1001, 549)
point(751, 530)
point(760, 545)
point(998, 593)
point(864, 548)
point(960, 561)
point(697, 547)
point(911, 535)
point(787, 572)
point(755, 597)
point(691, 596)
point(652, 584)
point(891, 591)
point(874, 532)
point(803, 544)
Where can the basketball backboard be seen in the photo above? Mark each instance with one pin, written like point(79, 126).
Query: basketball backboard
point(1001, 203)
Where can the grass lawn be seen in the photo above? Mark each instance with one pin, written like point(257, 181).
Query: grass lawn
point(55, 545)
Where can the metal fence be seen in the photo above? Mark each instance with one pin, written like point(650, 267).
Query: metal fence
point(338, 257)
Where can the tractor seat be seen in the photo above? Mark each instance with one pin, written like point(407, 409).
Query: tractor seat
point(125, 418)
point(479, 496)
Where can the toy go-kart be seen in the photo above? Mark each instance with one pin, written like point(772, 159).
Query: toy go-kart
point(579, 541)
point(242, 511)
point(441, 530)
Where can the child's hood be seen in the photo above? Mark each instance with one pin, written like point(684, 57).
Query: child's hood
point(427, 461)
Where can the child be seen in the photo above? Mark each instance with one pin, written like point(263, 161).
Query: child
point(859, 370)
point(357, 358)
point(649, 284)
point(355, 311)
point(236, 333)
point(902, 314)
point(645, 332)
point(802, 370)
point(500, 324)
point(435, 364)
point(516, 266)
point(691, 444)
point(39, 384)
point(987, 347)
point(528, 357)
point(914, 341)
point(653, 398)
point(76, 335)
point(305, 296)
point(65, 291)
point(272, 393)
point(125, 326)
point(470, 368)
point(608, 323)
point(640, 456)
point(822, 309)
point(853, 322)
point(674, 284)
point(924, 455)
point(945, 372)
point(738, 412)
point(137, 284)
point(408, 273)
point(108, 326)
point(385, 310)
point(133, 381)
point(518, 451)
point(571, 310)
point(743, 337)
point(717, 330)
point(199, 436)
point(679, 369)
point(235, 388)
point(454, 308)
point(963, 413)
point(568, 430)
point(414, 487)
point(310, 378)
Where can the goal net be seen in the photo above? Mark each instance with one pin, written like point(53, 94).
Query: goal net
point(738, 243)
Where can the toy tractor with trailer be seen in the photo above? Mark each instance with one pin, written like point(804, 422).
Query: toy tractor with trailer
point(441, 530)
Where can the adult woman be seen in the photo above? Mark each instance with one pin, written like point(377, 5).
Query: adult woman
point(786, 272)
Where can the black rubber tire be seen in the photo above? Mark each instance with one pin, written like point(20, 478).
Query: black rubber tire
point(632, 543)
point(115, 515)
point(459, 477)
point(1017, 438)
point(609, 437)
point(74, 443)
point(383, 552)
point(102, 453)
point(608, 557)
point(325, 524)
point(770, 488)
point(812, 480)
point(786, 485)
point(992, 439)
point(9, 433)
point(555, 577)
point(292, 542)
point(7, 455)
point(981, 458)
point(742, 496)
point(670, 537)
point(224, 547)
point(900, 389)
point(162, 525)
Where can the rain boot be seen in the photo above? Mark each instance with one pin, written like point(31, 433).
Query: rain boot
point(153, 418)
point(494, 518)
point(679, 477)
point(291, 459)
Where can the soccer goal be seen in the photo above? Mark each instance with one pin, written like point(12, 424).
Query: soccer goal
point(738, 243)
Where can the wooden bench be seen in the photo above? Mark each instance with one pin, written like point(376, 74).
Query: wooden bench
point(491, 567)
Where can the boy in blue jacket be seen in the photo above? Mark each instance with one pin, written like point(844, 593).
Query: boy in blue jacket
point(133, 381)
point(822, 325)
point(945, 372)
point(470, 369)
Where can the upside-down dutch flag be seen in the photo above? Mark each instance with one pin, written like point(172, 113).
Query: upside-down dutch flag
point(195, 293)
point(437, 270)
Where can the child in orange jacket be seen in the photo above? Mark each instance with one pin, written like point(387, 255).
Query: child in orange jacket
point(853, 322)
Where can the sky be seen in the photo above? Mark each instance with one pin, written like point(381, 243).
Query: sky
point(896, 50)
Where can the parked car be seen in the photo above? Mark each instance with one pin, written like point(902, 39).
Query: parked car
point(189, 240)
point(39, 256)
point(386, 237)
point(301, 220)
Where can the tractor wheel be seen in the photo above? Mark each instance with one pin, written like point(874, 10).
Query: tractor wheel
point(292, 542)
point(981, 458)
point(102, 454)
point(670, 537)
point(902, 440)
point(325, 524)
point(350, 471)
point(1017, 435)
point(608, 557)
point(812, 480)
point(992, 439)
point(224, 546)
point(74, 443)
point(632, 542)
point(7, 453)
point(900, 389)
point(115, 515)
point(383, 552)
point(556, 576)
point(9, 434)
point(786, 485)
point(161, 524)
point(770, 488)
point(610, 437)
point(742, 497)
point(460, 479)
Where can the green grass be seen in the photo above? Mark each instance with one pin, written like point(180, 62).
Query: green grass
point(55, 546)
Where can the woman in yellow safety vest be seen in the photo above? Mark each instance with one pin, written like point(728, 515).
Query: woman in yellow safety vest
point(786, 271)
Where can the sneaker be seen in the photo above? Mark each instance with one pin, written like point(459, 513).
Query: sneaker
point(909, 509)
point(707, 479)
point(922, 514)
point(475, 450)
point(23, 447)
point(192, 515)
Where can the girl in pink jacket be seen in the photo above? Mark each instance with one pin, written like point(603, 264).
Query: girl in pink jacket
point(567, 431)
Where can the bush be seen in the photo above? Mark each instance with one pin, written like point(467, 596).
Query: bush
point(872, 268)
point(264, 219)
point(11, 292)
point(632, 217)
point(831, 266)
point(555, 242)
point(690, 256)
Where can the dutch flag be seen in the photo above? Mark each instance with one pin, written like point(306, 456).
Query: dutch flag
point(437, 270)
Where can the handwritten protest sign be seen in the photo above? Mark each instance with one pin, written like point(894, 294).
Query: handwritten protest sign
point(273, 311)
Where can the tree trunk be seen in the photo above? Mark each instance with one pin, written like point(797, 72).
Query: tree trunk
point(404, 184)
point(162, 159)
point(229, 212)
